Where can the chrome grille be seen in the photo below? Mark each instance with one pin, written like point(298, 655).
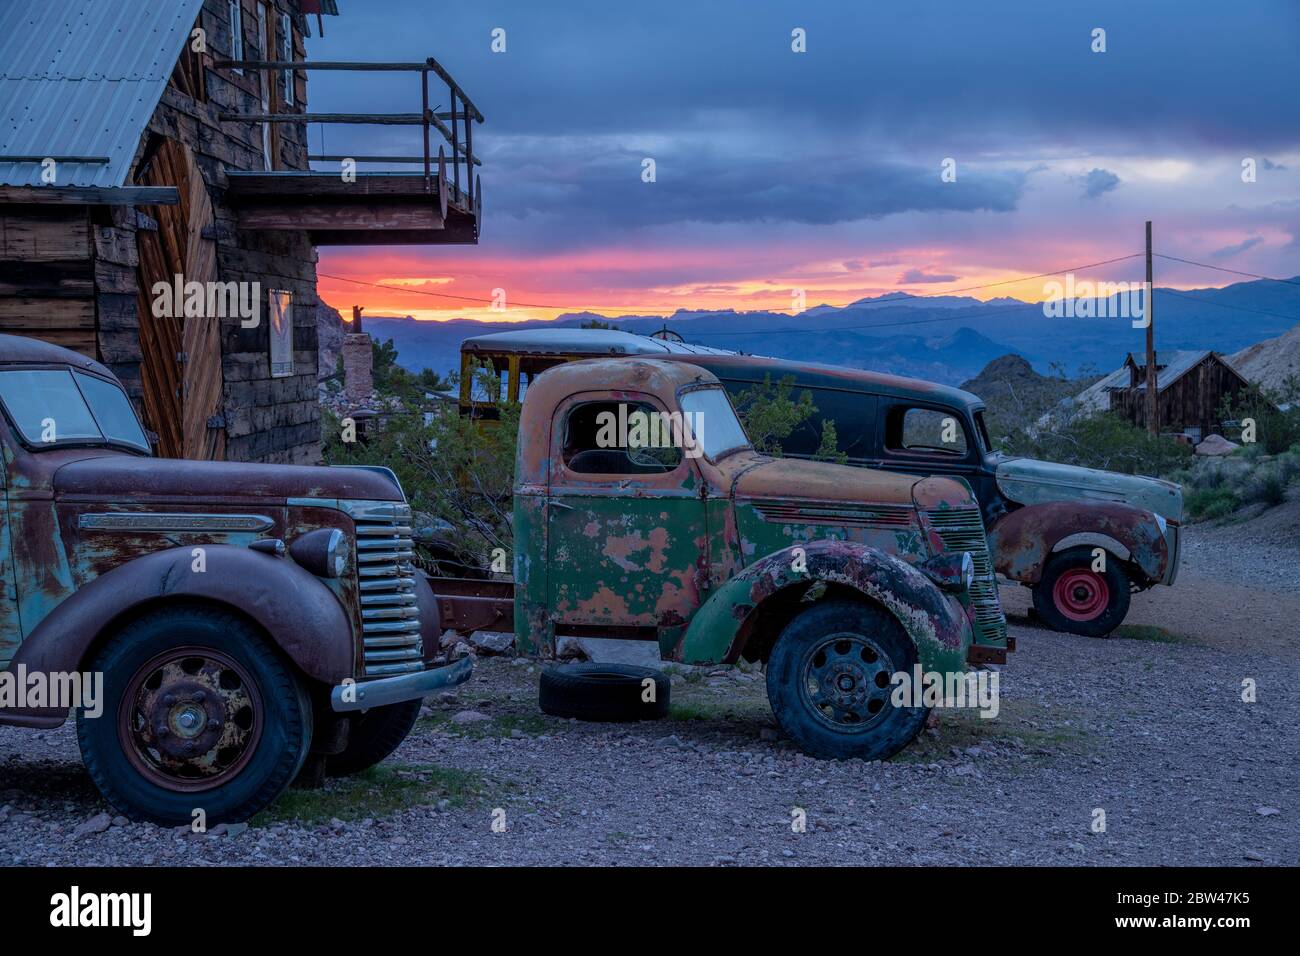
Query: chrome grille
point(962, 530)
point(390, 620)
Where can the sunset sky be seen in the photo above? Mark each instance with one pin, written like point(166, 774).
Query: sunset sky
point(820, 171)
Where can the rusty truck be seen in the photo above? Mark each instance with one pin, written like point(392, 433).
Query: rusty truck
point(837, 578)
point(239, 619)
point(1082, 540)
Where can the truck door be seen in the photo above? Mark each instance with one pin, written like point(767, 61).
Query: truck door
point(625, 519)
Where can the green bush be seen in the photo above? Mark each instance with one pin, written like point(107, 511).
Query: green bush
point(1265, 485)
point(1103, 441)
point(450, 467)
point(1203, 504)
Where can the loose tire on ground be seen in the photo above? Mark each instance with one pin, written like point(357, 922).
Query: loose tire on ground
point(828, 681)
point(373, 736)
point(603, 692)
point(199, 712)
point(1074, 598)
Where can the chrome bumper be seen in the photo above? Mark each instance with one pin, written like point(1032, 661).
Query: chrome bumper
point(1173, 540)
point(364, 695)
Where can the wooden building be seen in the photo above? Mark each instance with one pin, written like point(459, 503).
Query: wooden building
point(159, 209)
point(1191, 387)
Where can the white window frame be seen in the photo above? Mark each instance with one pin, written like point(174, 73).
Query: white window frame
point(280, 330)
point(264, 84)
point(286, 54)
point(236, 11)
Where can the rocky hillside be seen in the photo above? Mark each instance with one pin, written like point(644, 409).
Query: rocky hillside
point(329, 333)
point(1271, 362)
point(1016, 395)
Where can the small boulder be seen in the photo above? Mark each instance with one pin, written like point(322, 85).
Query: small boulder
point(463, 717)
point(96, 824)
point(1216, 445)
point(492, 642)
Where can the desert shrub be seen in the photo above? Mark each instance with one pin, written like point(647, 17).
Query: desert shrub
point(1265, 485)
point(1276, 429)
point(771, 413)
point(1103, 441)
point(451, 468)
point(1207, 503)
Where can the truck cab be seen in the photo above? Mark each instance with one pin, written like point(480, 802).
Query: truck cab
point(837, 577)
point(240, 619)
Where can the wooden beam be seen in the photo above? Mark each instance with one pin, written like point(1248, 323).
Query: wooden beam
point(92, 195)
point(404, 160)
point(375, 119)
point(358, 66)
point(324, 217)
point(289, 184)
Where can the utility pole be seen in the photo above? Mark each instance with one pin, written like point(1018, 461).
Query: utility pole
point(1153, 400)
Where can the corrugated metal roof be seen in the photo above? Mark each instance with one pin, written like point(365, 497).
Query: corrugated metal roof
point(1170, 367)
point(82, 78)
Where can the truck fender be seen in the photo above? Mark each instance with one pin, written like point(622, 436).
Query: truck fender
point(299, 613)
point(937, 624)
point(1023, 540)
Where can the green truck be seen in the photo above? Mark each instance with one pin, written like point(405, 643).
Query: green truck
point(838, 578)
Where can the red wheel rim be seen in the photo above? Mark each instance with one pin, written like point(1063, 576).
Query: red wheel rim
point(1081, 595)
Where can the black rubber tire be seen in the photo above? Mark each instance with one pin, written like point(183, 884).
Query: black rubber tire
point(275, 761)
point(814, 733)
point(373, 736)
point(1111, 617)
point(602, 692)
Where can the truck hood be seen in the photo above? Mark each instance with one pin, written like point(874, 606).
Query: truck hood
point(1027, 481)
point(118, 476)
point(786, 478)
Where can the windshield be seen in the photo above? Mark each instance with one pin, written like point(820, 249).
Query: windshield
point(56, 406)
point(713, 421)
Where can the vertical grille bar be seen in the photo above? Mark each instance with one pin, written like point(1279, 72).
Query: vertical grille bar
point(390, 619)
point(962, 530)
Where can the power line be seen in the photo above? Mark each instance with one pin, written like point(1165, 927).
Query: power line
point(1225, 305)
point(643, 310)
point(1236, 272)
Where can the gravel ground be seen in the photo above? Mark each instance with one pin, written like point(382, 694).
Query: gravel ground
point(1152, 731)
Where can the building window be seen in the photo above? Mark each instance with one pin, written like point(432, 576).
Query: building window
point(286, 54)
point(236, 33)
point(264, 84)
point(281, 326)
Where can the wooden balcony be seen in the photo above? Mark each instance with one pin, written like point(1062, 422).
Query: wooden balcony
point(376, 209)
point(338, 206)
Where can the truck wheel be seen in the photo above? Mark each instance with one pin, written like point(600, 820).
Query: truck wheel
point(608, 692)
point(198, 713)
point(1074, 598)
point(373, 736)
point(828, 681)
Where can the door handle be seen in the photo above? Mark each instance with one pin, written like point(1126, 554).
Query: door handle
point(560, 504)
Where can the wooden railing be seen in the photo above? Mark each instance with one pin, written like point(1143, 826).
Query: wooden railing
point(461, 116)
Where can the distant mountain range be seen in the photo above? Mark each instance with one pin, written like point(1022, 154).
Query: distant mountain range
point(944, 338)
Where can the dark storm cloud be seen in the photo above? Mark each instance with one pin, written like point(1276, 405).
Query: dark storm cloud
point(1228, 252)
point(694, 186)
point(977, 76)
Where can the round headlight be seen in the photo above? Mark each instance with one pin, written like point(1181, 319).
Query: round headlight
point(323, 552)
point(967, 570)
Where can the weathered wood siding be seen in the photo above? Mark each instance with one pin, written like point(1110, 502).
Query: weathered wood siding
point(265, 418)
point(47, 275)
point(1193, 401)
